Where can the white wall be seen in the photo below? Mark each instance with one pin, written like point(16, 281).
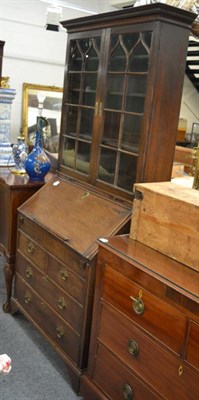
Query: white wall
point(190, 104)
point(31, 53)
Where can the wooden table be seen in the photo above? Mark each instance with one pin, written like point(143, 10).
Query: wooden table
point(14, 190)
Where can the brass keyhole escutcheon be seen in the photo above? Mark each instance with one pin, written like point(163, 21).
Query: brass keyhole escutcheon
point(133, 348)
point(31, 248)
point(127, 392)
point(180, 370)
point(29, 272)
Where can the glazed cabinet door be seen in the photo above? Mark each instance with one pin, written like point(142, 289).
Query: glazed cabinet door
point(103, 109)
point(81, 102)
point(122, 96)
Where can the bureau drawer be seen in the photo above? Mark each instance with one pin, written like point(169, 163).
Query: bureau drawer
point(116, 381)
point(54, 245)
point(63, 304)
point(54, 327)
point(158, 367)
point(154, 315)
point(72, 283)
point(192, 354)
point(32, 251)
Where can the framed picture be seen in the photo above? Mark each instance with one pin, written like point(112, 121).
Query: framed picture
point(45, 101)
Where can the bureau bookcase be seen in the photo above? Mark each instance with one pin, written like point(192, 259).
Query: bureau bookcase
point(121, 101)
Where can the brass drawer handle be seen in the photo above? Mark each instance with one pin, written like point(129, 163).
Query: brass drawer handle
point(27, 298)
point(133, 348)
point(138, 305)
point(127, 392)
point(21, 220)
point(62, 304)
point(43, 305)
point(64, 274)
point(30, 248)
point(45, 279)
point(29, 272)
point(60, 332)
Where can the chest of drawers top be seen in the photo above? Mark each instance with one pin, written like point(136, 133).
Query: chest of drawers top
point(166, 278)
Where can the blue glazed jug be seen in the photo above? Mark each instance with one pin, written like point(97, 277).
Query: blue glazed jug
point(37, 164)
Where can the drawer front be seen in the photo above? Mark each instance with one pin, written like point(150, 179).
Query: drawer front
point(69, 281)
point(30, 248)
point(116, 381)
point(53, 326)
point(153, 314)
point(53, 245)
point(192, 354)
point(63, 304)
point(158, 367)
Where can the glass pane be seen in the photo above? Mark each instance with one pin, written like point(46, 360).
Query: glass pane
point(127, 171)
point(130, 40)
point(71, 124)
point(139, 59)
point(83, 157)
point(114, 94)
point(86, 124)
point(90, 83)
point(74, 88)
point(75, 58)
point(107, 165)
point(147, 38)
point(68, 157)
point(111, 128)
point(136, 88)
point(91, 60)
point(117, 60)
point(131, 133)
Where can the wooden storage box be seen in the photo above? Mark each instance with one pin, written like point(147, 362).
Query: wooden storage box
point(166, 217)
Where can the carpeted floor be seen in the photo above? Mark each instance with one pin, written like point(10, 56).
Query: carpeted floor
point(38, 373)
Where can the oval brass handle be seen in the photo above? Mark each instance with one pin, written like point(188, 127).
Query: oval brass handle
point(29, 272)
point(133, 348)
point(64, 274)
point(127, 392)
point(30, 248)
point(60, 332)
point(21, 220)
point(138, 305)
point(62, 304)
point(27, 298)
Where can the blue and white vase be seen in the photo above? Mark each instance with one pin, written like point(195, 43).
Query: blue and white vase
point(20, 153)
point(37, 164)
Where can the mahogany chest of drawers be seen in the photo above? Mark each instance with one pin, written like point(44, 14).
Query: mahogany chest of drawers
point(55, 264)
point(145, 330)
